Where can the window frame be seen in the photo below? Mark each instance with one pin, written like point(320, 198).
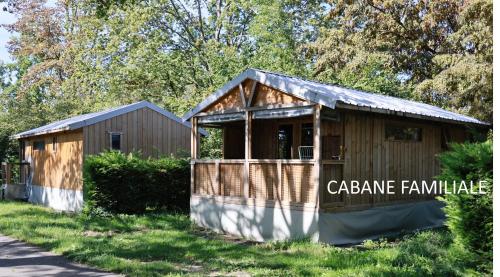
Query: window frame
point(36, 144)
point(404, 126)
point(54, 144)
point(111, 134)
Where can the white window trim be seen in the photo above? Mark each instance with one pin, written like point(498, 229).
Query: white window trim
point(111, 140)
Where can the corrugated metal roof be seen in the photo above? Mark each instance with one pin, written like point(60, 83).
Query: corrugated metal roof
point(330, 95)
point(80, 121)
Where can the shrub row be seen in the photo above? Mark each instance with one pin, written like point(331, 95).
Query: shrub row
point(470, 217)
point(119, 183)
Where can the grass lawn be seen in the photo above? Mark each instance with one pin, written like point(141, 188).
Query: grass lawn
point(164, 244)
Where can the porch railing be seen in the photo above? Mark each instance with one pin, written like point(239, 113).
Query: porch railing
point(15, 173)
point(285, 181)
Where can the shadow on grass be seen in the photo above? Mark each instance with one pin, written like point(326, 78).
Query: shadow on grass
point(159, 244)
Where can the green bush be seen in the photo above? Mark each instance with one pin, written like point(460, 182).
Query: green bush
point(470, 217)
point(119, 183)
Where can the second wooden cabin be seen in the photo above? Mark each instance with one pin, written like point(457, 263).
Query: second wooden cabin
point(285, 138)
point(52, 155)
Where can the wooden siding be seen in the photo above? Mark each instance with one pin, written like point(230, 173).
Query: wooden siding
point(370, 156)
point(263, 96)
point(145, 129)
point(232, 101)
point(61, 168)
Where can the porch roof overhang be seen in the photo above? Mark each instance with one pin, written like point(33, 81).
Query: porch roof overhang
point(274, 113)
point(334, 96)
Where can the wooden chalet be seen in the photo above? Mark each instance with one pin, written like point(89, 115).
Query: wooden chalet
point(285, 138)
point(52, 155)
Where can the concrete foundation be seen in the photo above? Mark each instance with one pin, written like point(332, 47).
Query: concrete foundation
point(58, 199)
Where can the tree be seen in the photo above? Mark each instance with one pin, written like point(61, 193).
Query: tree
point(442, 48)
point(171, 52)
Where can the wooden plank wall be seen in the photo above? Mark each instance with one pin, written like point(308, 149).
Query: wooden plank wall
point(263, 96)
point(369, 156)
point(145, 129)
point(61, 168)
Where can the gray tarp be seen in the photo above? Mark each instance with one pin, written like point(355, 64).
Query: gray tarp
point(354, 227)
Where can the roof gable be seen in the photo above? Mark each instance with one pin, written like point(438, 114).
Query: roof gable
point(330, 95)
point(83, 120)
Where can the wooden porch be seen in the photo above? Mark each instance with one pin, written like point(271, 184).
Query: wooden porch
point(269, 182)
point(258, 170)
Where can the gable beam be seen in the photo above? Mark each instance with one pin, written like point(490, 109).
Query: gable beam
point(242, 94)
point(252, 92)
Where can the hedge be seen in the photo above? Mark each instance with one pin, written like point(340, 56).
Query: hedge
point(470, 217)
point(119, 183)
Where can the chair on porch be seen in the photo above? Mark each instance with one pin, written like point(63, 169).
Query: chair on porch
point(306, 152)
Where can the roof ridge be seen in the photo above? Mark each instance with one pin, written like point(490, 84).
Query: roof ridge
point(82, 120)
point(335, 85)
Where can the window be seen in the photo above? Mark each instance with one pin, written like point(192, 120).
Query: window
point(54, 144)
point(402, 133)
point(307, 134)
point(285, 141)
point(116, 141)
point(39, 145)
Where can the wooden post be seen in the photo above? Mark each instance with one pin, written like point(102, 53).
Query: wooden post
point(195, 139)
point(219, 190)
point(193, 188)
point(317, 154)
point(279, 190)
point(8, 173)
point(194, 151)
point(248, 153)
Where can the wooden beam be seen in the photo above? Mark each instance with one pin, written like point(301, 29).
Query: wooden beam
point(238, 110)
point(279, 189)
point(248, 153)
point(252, 93)
point(195, 138)
point(217, 178)
point(317, 153)
point(242, 94)
point(193, 189)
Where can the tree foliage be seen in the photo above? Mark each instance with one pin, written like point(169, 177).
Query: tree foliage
point(71, 57)
point(470, 217)
point(440, 49)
